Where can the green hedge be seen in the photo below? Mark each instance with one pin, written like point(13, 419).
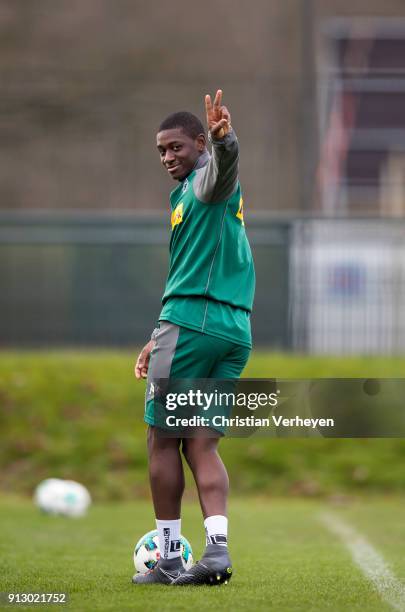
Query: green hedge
point(79, 415)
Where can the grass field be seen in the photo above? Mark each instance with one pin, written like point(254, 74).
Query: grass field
point(315, 524)
point(79, 415)
point(284, 556)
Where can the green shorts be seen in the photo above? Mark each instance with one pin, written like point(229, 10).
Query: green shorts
point(182, 353)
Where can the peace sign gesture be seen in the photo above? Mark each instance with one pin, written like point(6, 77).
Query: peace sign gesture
point(218, 116)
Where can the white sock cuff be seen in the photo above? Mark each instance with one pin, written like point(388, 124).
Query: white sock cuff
point(216, 529)
point(171, 523)
point(169, 538)
point(214, 517)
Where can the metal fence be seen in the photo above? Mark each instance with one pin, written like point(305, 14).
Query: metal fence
point(348, 286)
point(98, 280)
point(323, 286)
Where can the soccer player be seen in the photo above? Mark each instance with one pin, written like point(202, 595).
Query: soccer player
point(203, 332)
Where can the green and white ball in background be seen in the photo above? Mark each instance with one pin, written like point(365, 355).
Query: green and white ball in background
point(147, 553)
point(62, 497)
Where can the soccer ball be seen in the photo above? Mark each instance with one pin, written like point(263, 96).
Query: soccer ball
point(147, 553)
point(63, 497)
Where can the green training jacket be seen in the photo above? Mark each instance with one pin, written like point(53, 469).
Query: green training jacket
point(211, 281)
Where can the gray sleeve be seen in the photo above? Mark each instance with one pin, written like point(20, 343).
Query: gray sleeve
point(218, 179)
point(155, 333)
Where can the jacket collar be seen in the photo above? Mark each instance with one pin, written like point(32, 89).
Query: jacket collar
point(202, 160)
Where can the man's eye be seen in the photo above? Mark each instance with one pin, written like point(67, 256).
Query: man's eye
point(176, 148)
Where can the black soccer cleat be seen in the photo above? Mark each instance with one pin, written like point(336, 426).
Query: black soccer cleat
point(163, 573)
point(214, 568)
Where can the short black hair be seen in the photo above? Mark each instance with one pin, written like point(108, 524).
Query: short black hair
point(188, 122)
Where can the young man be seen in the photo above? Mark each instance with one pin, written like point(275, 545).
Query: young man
point(204, 329)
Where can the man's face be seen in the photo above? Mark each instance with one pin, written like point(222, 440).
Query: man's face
point(179, 152)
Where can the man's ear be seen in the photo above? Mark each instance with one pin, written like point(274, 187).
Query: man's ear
point(201, 142)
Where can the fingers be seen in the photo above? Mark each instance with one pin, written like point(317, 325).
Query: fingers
point(225, 114)
point(217, 100)
point(213, 110)
point(138, 369)
point(219, 129)
point(208, 104)
point(218, 116)
point(141, 366)
point(142, 363)
point(221, 124)
point(141, 371)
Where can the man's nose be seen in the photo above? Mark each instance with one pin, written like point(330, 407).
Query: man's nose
point(169, 157)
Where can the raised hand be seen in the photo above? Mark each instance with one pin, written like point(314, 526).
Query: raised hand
point(218, 116)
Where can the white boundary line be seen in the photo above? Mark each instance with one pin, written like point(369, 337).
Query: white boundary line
point(369, 560)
